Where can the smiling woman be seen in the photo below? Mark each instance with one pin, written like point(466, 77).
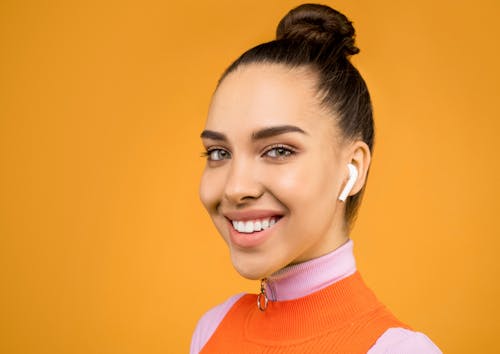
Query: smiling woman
point(288, 139)
point(281, 162)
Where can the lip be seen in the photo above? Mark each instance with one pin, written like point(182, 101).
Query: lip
point(245, 215)
point(254, 239)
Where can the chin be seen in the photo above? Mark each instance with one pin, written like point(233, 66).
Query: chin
point(251, 266)
point(250, 274)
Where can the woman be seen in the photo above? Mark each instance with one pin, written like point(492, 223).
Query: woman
point(289, 139)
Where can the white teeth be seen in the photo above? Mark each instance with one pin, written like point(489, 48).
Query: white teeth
point(253, 225)
point(265, 223)
point(249, 226)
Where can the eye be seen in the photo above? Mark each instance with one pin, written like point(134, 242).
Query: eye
point(217, 154)
point(279, 152)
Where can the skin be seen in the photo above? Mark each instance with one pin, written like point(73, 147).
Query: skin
point(299, 175)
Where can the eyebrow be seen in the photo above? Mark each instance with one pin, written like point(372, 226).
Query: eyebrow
point(273, 131)
point(210, 134)
point(258, 135)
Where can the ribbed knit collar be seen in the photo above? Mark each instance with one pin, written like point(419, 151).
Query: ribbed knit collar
point(302, 279)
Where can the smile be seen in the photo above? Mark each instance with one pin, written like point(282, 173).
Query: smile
point(250, 226)
point(251, 229)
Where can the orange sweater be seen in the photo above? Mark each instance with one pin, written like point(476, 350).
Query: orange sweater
point(345, 317)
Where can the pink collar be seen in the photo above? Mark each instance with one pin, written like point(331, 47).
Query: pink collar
point(302, 279)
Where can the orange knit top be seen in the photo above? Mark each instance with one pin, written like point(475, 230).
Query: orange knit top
point(345, 317)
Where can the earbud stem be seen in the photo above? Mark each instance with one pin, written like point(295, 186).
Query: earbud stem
point(353, 176)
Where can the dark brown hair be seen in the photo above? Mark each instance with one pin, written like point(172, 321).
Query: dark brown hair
point(322, 39)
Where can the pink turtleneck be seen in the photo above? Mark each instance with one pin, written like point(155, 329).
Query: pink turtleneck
point(302, 279)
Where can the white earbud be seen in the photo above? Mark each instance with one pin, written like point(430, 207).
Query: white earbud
point(353, 176)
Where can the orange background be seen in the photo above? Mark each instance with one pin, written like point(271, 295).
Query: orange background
point(104, 245)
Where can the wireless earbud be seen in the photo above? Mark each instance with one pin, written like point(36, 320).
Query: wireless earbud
point(353, 176)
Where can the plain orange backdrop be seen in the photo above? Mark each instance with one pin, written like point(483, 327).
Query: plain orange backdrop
point(104, 245)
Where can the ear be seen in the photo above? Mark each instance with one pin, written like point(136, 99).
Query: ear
point(360, 156)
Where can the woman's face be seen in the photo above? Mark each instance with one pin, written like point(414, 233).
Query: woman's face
point(275, 169)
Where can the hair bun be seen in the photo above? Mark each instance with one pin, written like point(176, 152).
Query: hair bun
point(318, 23)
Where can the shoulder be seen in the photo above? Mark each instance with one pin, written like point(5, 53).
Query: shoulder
point(401, 340)
point(209, 322)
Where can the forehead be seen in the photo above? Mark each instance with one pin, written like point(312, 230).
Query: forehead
point(260, 95)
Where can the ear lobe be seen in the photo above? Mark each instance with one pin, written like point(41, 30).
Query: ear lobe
point(360, 157)
point(353, 176)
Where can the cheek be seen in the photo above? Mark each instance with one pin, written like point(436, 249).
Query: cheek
point(209, 190)
point(303, 185)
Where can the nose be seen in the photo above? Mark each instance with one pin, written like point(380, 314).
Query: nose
point(242, 184)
